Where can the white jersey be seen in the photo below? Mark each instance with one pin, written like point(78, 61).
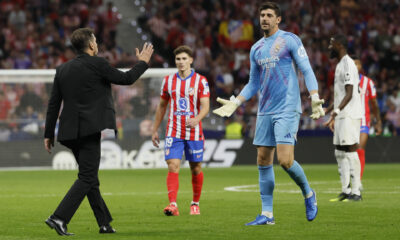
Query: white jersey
point(346, 73)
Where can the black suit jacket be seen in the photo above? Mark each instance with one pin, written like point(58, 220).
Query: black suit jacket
point(83, 85)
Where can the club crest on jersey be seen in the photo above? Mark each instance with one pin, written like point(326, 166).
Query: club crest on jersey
point(277, 48)
point(191, 91)
point(183, 104)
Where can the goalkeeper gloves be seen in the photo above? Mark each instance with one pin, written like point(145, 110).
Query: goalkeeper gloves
point(228, 108)
point(316, 106)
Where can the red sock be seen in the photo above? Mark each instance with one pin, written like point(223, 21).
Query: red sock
point(361, 156)
point(172, 186)
point(197, 183)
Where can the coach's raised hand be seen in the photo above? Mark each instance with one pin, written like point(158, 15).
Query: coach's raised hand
point(146, 52)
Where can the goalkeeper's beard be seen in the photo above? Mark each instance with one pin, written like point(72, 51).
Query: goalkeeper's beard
point(266, 32)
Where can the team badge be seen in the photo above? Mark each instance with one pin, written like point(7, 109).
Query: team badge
point(277, 47)
point(191, 91)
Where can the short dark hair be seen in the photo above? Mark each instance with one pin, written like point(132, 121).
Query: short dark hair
point(183, 49)
point(271, 5)
point(342, 40)
point(80, 38)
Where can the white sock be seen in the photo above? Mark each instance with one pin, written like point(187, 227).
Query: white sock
point(355, 169)
point(197, 203)
point(344, 170)
point(174, 203)
point(267, 214)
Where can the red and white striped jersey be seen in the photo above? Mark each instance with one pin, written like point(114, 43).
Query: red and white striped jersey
point(184, 103)
point(368, 92)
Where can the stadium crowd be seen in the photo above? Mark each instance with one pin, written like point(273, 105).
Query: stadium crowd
point(35, 35)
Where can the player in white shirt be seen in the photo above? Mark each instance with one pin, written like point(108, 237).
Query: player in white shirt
point(345, 120)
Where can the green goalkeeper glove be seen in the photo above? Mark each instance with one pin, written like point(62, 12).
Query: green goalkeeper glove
point(228, 108)
point(316, 106)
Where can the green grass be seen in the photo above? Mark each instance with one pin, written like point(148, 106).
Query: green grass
point(136, 199)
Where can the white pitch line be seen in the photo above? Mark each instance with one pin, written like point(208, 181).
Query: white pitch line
point(250, 188)
point(240, 188)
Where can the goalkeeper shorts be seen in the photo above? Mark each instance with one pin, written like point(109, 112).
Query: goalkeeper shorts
point(281, 128)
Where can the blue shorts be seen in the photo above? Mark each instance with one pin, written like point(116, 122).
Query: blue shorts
point(277, 129)
point(364, 129)
point(174, 148)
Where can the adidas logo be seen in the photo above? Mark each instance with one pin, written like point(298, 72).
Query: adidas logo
point(288, 135)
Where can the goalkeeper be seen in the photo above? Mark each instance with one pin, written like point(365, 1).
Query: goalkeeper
point(273, 75)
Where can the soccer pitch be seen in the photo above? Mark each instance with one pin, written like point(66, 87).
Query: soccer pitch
point(230, 198)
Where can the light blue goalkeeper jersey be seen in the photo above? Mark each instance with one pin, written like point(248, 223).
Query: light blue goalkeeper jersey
point(274, 62)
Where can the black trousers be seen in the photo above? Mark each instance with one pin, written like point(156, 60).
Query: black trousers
point(87, 154)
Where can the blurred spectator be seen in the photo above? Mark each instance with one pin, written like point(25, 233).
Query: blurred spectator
point(17, 17)
point(393, 114)
point(202, 56)
point(234, 127)
point(5, 106)
point(145, 128)
point(30, 99)
point(30, 121)
point(225, 83)
point(111, 18)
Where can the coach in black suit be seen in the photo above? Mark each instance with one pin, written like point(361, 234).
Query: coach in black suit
point(84, 86)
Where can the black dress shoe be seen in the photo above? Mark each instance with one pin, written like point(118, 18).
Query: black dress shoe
point(59, 225)
point(107, 229)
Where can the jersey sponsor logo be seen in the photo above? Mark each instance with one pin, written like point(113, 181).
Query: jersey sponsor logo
point(268, 62)
point(183, 104)
point(191, 151)
point(302, 52)
point(183, 113)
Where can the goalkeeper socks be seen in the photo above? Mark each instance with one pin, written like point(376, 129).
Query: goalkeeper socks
point(344, 170)
point(299, 177)
point(267, 185)
point(361, 156)
point(197, 184)
point(172, 186)
point(354, 172)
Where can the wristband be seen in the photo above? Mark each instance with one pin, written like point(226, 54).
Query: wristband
point(237, 102)
point(337, 111)
point(315, 97)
